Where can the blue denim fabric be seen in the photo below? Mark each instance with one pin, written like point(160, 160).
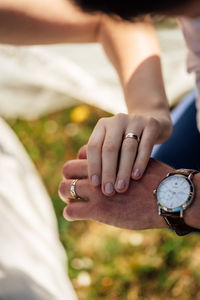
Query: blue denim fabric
point(182, 150)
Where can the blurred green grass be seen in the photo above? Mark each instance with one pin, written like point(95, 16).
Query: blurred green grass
point(105, 262)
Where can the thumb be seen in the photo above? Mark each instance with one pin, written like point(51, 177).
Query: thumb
point(82, 153)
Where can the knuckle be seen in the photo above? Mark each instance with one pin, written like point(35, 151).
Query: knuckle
point(93, 146)
point(102, 121)
point(120, 116)
point(152, 122)
point(137, 118)
point(109, 147)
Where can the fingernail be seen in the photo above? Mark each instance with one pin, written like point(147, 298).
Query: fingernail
point(109, 189)
point(120, 184)
point(136, 173)
point(95, 180)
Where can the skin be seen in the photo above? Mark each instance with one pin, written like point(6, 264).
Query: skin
point(112, 161)
point(148, 113)
point(136, 209)
point(58, 21)
point(134, 51)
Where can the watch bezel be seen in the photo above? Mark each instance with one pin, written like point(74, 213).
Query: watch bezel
point(185, 204)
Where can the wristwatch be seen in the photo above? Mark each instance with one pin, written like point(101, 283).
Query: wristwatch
point(175, 194)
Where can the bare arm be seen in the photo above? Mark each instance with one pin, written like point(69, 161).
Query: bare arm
point(133, 50)
point(30, 22)
point(131, 47)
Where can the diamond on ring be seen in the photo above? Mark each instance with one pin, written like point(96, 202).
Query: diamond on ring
point(73, 189)
point(131, 135)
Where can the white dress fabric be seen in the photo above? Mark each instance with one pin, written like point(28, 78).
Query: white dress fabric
point(43, 79)
point(37, 80)
point(191, 31)
point(32, 259)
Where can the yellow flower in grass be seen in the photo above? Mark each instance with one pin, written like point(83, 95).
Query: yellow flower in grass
point(79, 114)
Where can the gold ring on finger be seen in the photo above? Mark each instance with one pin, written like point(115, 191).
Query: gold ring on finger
point(131, 135)
point(73, 189)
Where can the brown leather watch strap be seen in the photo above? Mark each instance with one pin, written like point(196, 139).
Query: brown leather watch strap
point(185, 172)
point(176, 223)
point(174, 220)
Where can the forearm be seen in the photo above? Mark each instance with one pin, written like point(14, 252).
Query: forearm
point(30, 22)
point(132, 47)
point(134, 51)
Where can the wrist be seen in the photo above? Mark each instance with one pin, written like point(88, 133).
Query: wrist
point(191, 215)
point(155, 173)
point(150, 98)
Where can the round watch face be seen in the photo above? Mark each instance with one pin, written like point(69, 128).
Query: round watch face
point(173, 191)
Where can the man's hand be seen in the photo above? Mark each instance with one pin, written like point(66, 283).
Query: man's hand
point(135, 209)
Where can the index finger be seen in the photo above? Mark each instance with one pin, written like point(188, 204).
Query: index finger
point(76, 169)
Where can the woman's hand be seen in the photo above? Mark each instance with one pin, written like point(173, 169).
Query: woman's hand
point(114, 159)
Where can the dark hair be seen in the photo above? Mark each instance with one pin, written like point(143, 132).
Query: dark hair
point(128, 9)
